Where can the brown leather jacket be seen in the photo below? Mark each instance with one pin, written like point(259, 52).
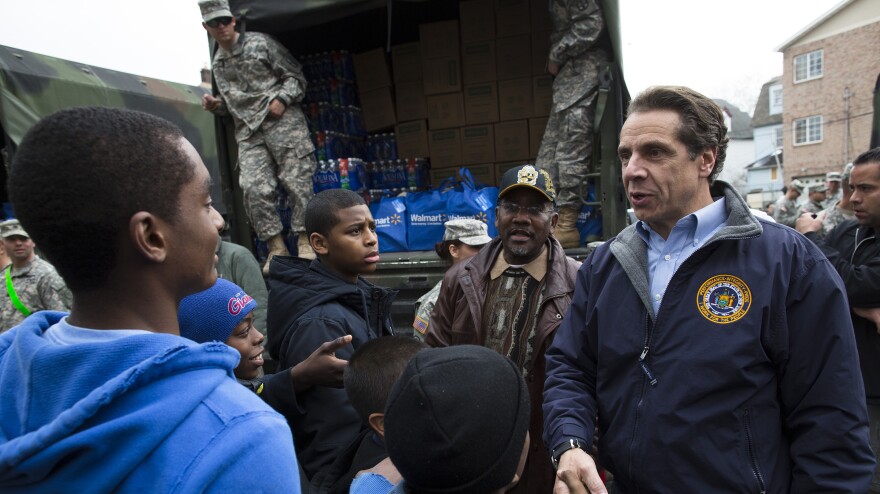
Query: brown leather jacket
point(457, 320)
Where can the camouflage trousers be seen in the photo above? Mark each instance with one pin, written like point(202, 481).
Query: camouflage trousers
point(270, 156)
point(567, 148)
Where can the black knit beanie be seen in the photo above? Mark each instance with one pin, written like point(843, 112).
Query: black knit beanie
point(456, 420)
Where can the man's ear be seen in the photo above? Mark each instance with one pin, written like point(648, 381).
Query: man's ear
point(319, 243)
point(148, 236)
point(707, 161)
point(377, 423)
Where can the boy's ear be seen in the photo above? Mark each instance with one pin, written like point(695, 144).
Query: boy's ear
point(148, 237)
point(319, 244)
point(377, 423)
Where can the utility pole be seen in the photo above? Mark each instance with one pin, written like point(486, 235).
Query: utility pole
point(846, 98)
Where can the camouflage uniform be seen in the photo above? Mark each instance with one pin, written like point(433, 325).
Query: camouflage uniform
point(832, 199)
point(812, 207)
point(786, 211)
point(424, 307)
point(256, 71)
point(38, 287)
point(566, 147)
point(833, 217)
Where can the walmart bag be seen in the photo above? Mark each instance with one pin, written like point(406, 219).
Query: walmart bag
point(426, 214)
point(472, 200)
point(390, 216)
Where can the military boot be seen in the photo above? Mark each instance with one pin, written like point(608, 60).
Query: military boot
point(304, 247)
point(566, 228)
point(276, 248)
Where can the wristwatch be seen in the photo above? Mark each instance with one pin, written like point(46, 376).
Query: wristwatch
point(570, 443)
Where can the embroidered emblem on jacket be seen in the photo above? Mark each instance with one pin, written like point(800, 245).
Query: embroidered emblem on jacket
point(724, 299)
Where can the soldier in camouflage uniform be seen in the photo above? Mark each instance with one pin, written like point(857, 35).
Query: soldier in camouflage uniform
point(834, 193)
point(567, 145)
point(462, 239)
point(840, 210)
point(260, 86)
point(32, 284)
point(787, 210)
point(816, 199)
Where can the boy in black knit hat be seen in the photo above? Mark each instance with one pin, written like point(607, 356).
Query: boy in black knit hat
point(456, 421)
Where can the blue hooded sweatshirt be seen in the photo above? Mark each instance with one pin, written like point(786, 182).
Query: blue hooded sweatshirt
point(141, 413)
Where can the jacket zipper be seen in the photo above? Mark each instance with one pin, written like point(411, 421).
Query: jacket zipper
point(755, 471)
point(650, 379)
point(858, 244)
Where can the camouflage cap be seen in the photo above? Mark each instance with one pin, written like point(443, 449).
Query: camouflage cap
point(798, 186)
point(11, 228)
point(470, 232)
point(819, 188)
point(212, 9)
point(833, 176)
point(528, 176)
point(847, 171)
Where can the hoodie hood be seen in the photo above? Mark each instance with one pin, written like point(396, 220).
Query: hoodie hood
point(299, 285)
point(83, 416)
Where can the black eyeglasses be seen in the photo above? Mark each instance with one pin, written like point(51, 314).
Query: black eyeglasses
point(218, 21)
point(514, 209)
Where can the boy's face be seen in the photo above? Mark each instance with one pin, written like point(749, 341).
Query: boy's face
point(351, 248)
point(194, 233)
point(247, 340)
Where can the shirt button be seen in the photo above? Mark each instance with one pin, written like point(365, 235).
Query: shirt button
point(667, 257)
point(657, 297)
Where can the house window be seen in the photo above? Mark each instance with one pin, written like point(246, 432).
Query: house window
point(778, 135)
point(773, 174)
point(808, 130)
point(808, 66)
point(776, 99)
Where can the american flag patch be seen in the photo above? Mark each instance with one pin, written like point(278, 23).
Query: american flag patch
point(420, 325)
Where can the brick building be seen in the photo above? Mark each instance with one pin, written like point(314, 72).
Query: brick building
point(829, 70)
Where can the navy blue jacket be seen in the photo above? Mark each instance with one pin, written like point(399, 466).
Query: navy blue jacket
point(308, 305)
point(747, 380)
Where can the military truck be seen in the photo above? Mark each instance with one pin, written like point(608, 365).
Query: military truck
point(33, 85)
point(358, 26)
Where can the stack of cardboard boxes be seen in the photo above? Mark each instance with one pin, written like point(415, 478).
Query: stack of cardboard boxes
point(471, 92)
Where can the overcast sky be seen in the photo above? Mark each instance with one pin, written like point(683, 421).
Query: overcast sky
point(722, 48)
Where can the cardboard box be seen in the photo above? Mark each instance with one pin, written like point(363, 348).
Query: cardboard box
point(512, 17)
point(536, 133)
point(406, 62)
point(540, 52)
point(542, 95)
point(478, 62)
point(378, 109)
point(409, 101)
point(477, 20)
point(484, 174)
point(412, 139)
point(439, 39)
point(445, 111)
point(500, 168)
point(477, 144)
point(441, 75)
point(438, 175)
point(515, 99)
point(481, 103)
point(371, 70)
point(445, 146)
point(513, 57)
point(540, 16)
point(512, 141)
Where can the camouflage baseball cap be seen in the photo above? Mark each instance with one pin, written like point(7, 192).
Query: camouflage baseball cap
point(470, 232)
point(212, 9)
point(529, 176)
point(798, 186)
point(11, 228)
point(819, 188)
point(833, 176)
point(847, 171)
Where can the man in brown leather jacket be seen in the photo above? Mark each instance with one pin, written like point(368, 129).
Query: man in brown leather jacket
point(512, 295)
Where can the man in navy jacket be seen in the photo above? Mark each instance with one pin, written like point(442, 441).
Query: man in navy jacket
point(714, 348)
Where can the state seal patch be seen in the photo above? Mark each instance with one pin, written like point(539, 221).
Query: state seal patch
point(724, 299)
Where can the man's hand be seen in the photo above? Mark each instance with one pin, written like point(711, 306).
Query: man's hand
point(209, 102)
point(809, 222)
point(321, 368)
point(553, 68)
point(577, 474)
point(872, 314)
point(276, 109)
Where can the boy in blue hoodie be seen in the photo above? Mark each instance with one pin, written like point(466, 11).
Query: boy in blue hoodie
point(311, 302)
point(110, 397)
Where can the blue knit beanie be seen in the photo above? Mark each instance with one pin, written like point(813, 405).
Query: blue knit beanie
point(213, 314)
